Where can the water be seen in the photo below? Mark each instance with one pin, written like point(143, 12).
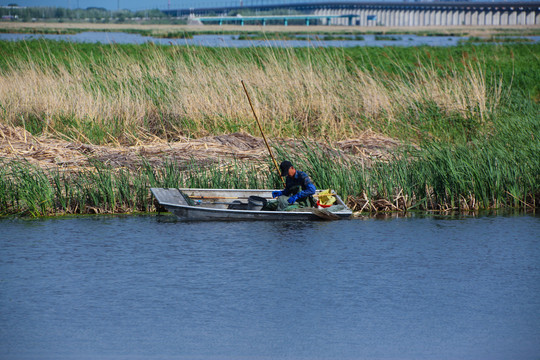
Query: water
point(153, 288)
point(232, 40)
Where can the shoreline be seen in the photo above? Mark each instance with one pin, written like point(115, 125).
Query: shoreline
point(458, 30)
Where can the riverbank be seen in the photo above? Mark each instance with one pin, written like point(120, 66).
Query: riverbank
point(89, 128)
point(270, 31)
point(500, 172)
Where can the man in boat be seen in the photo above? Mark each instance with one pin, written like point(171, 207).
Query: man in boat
point(299, 189)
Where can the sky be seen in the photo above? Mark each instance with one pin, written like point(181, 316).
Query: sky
point(143, 4)
point(147, 4)
point(152, 4)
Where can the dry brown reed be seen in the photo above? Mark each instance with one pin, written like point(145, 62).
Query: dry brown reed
point(194, 92)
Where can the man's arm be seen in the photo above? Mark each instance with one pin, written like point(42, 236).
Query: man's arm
point(309, 187)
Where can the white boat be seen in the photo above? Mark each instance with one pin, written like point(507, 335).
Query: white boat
point(227, 204)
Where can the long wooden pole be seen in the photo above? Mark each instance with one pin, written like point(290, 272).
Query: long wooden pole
point(262, 132)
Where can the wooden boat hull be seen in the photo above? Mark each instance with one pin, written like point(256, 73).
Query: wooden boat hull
point(214, 205)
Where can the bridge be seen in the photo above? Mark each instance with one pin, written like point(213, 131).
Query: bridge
point(376, 13)
point(263, 20)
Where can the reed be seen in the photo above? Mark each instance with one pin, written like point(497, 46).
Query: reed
point(115, 94)
point(471, 111)
point(501, 171)
point(29, 190)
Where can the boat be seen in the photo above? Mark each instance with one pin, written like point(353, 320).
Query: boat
point(230, 204)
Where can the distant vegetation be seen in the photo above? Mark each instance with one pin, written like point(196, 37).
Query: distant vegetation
point(91, 14)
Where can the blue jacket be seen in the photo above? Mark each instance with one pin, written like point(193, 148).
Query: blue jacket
point(302, 179)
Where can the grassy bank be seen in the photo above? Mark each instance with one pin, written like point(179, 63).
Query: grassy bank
point(482, 31)
point(471, 111)
point(499, 172)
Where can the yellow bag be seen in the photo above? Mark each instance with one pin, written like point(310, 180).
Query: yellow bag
point(326, 199)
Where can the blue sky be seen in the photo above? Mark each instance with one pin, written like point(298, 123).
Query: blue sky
point(142, 4)
point(152, 4)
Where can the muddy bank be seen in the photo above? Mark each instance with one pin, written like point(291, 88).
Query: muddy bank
point(49, 152)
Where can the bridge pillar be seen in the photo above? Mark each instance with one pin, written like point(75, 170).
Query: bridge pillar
point(496, 18)
point(530, 18)
point(242, 22)
point(263, 22)
point(286, 22)
point(522, 18)
point(537, 20)
point(504, 18)
point(450, 20)
point(482, 17)
point(467, 19)
point(444, 16)
point(512, 18)
point(406, 18)
point(488, 20)
point(417, 14)
point(307, 21)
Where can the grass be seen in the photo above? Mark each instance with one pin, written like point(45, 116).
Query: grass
point(494, 39)
point(116, 93)
point(502, 171)
point(159, 33)
point(471, 110)
point(29, 190)
point(320, 30)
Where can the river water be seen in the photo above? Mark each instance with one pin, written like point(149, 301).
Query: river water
point(232, 40)
point(150, 287)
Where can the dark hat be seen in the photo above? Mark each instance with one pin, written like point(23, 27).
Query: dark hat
point(285, 166)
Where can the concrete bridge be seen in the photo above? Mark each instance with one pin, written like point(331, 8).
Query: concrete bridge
point(381, 13)
point(281, 19)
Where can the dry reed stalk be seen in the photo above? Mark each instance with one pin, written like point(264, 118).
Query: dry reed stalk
point(197, 92)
